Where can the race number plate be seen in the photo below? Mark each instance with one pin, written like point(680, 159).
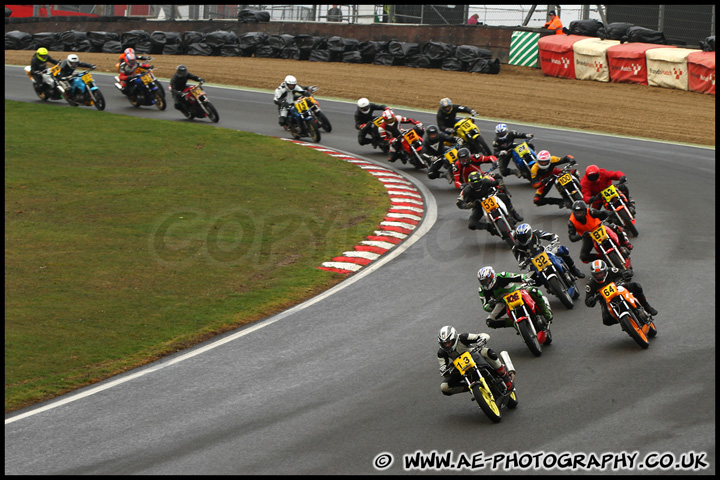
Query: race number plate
point(541, 262)
point(147, 78)
point(378, 121)
point(513, 299)
point(464, 126)
point(489, 204)
point(411, 136)
point(609, 291)
point(609, 193)
point(302, 105)
point(451, 155)
point(463, 362)
point(521, 149)
point(565, 179)
point(87, 78)
point(197, 91)
point(55, 70)
point(599, 234)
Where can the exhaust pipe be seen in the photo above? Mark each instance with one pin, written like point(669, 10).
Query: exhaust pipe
point(505, 356)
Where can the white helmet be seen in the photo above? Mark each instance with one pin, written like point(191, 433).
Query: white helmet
point(73, 60)
point(290, 81)
point(363, 104)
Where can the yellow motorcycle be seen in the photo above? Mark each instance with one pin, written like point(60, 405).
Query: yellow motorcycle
point(466, 129)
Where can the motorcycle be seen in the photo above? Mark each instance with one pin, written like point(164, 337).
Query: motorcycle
point(320, 116)
point(144, 89)
point(197, 104)
point(486, 387)
point(466, 129)
point(626, 309)
point(411, 143)
point(496, 213)
point(527, 320)
point(523, 157)
point(622, 209)
point(49, 88)
point(82, 90)
point(301, 121)
point(606, 243)
point(553, 274)
point(568, 185)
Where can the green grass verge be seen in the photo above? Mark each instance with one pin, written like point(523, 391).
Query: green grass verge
point(128, 239)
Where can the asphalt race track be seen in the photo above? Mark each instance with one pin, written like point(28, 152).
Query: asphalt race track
point(328, 388)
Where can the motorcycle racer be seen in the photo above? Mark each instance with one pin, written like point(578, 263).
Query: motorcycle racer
point(543, 174)
point(364, 117)
point(447, 118)
point(287, 92)
point(492, 288)
point(389, 130)
point(38, 63)
point(596, 180)
point(504, 143)
point(126, 69)
point(178, 83)
point(434, 150)
point(450, 341)
point(478, 187)
point(600, 277)
point(528, 241)
point(462, 167)
point(584, 220)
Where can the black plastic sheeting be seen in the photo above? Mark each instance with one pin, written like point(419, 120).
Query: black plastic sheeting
point(222, 43)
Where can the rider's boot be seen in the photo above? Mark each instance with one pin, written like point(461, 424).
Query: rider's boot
point(516, 215)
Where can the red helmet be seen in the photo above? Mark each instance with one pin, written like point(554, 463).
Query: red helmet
point(389, 117)
point(592, 172)
point(544, 159)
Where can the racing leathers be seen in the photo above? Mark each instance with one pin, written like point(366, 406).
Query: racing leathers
point(446, 122)
point(434, 153)
point(363, 122)
point(592, 293)
point(525, 253)
point(502, 148)
point(461, 171)
point(285, 96)
point(580, 230)
point(507, 282)
point(472, 195)
point(37, 66)
point(543, 180)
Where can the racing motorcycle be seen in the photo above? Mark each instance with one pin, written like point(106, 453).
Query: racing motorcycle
point(320, 116)
point(496, 213)
point(83, 90)
point(486, 387)
point(527, 319)
point(144, 89)
point(626, 309)
point(410, 145)
point(552, 272)
point(49, 88)
point(523, 157)
point(196, 104)
point(606, 243)
point(466, 129)
point(301, 121)
point(623, 210)
point(568, 185)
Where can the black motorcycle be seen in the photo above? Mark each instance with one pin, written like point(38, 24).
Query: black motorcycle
point(144, 89)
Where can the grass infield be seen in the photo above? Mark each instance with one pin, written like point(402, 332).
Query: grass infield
point(127, 239)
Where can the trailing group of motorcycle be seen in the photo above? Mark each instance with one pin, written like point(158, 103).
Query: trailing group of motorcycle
point(144, 89)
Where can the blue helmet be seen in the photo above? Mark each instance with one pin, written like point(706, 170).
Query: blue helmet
point(501, 130)
point(523, 234)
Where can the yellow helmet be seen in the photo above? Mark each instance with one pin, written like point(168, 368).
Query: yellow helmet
point(42, 54)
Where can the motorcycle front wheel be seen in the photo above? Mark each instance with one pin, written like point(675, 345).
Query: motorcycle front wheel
point(99, 100)
point(212, 112)
point(633, 328)
point(313, 131)
point(527, 332)
point(627, 223)
point(556, 287)
point(323, 121)
point(485, 401)
point(160, 101)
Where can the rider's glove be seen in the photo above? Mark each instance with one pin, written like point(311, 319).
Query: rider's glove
point(623, 179)
point(473, 112)
point(201, 80)
point(529, 137)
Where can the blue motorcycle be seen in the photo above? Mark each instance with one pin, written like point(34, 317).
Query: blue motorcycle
point(83, 90)
point(524, 158)
point(551, 271)
point(144, 89)
point(302, 121)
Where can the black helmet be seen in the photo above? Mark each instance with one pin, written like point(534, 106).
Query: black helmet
point(182, 71)
point(579, 208)
point(464, 156)
point(432, 132)
point(475, 180)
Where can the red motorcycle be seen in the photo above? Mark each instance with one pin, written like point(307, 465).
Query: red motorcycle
point(606, 243)
point(411, 145)
point(196, 104)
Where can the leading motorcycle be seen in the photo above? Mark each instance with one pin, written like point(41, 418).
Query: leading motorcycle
point(196, 103)
point(49, 88)
point(527, 320)
point(486, 387)
point(466, 129)
point(144, 89)
point(320, 116)
point(626, 309)
point(552, 272)
point(301, 121)
point(83, 90)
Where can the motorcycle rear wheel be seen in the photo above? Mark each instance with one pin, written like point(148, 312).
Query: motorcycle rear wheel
point(633, 328)
point(527, 331)
point(485, 401)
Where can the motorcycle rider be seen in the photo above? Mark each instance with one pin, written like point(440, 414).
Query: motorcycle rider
point(289, 87)
point(543, 174)
point(126, 69)
point(504, 143)
point(477, 188)
point(584, 220)
point(178, 83)
point(463, 167)
point(38, 63)
point(434, 149)
point(494, 286)
point(364, 118)
point(600, 277)
point(67, 67)
point(528, 242)
point(452, 342)
point(596, 180)
point(447, 118)
point(389, 130)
